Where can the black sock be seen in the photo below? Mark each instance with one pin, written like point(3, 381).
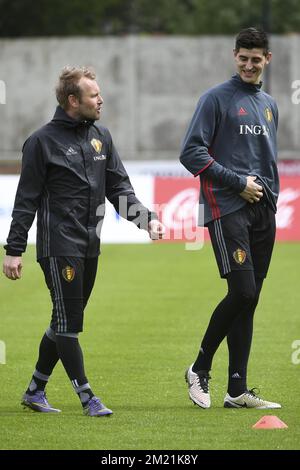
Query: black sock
point(48, 356)
point(47, 360)
point(37, 383)
point(216, 331)
point(201, 362)
point(83, 390)
point(237, 382)
point(241, 292)
point(71, 356)
point(239, 341)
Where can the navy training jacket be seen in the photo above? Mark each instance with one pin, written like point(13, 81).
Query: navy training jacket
point(232, 135)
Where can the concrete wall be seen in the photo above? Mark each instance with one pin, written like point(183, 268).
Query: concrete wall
point(150, 87)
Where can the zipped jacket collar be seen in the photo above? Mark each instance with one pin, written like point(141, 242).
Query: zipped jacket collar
point(62, 118)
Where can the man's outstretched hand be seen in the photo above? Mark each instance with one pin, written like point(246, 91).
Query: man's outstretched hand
point(156, 229)
point(12, 267)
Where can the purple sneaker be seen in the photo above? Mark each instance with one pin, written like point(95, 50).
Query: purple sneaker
point(38, 402)
point(96, 408)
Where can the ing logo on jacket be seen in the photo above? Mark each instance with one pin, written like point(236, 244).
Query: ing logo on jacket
point(254, 130)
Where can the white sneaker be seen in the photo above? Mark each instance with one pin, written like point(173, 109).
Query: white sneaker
point(248, 400)
point(198, 387)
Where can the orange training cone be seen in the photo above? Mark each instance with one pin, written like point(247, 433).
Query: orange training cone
point(269, 422)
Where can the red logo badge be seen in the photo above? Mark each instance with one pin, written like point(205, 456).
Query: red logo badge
point(242, 112)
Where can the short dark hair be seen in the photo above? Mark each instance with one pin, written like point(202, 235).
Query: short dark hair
point(68, 83)
point(250, 38)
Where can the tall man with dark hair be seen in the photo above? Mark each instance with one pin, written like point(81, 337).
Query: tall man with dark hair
point(231, 144)
point(69, 166)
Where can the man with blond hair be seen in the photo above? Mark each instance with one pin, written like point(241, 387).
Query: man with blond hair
point(69, 166)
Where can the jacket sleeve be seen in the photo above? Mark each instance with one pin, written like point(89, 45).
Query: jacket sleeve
point(195, 153)
point(276, 114)
point(27, 198)
point(120, 192)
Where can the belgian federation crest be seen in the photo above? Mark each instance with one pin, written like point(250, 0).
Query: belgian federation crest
point(68, 273)
point(239, 256)
point(268, 114)
point(97, 144)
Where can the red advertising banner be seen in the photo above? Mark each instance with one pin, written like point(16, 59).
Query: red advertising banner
point(176, 200)
point(288, 209)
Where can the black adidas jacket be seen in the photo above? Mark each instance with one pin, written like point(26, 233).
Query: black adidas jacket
point(68, 168)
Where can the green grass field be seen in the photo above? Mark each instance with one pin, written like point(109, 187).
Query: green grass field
point(143, 327)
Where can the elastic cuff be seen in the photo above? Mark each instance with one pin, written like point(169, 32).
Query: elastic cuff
point(152, 216)
point(67, 335)
point(204, 168)
point(241, 184)
point(11, 252)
